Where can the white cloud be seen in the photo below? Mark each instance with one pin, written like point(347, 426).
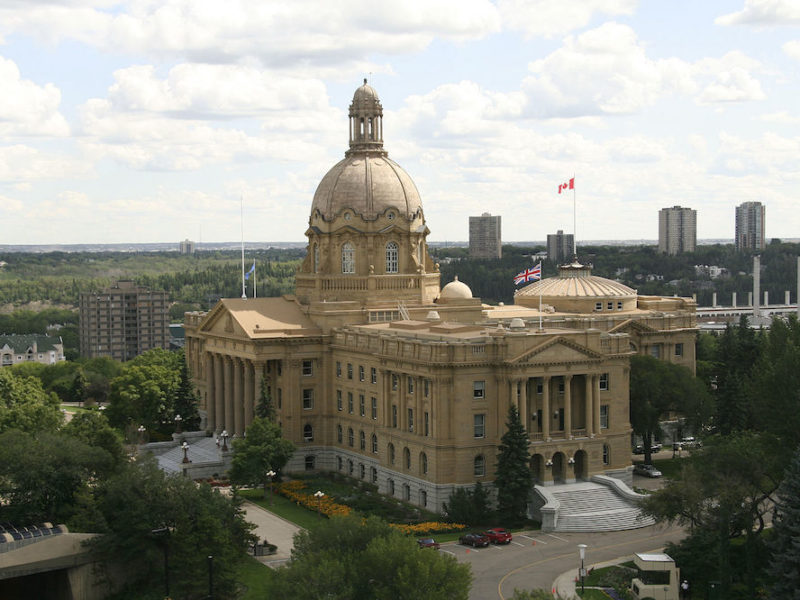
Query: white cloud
point(763, 13)
point(731, 79)
point(548, 19)
point(20, 163)
point(770, 154)
point(782, 118)
point(792, 49)
point(27, 109)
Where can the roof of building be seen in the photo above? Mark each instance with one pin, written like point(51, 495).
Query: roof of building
point(456, 289)
point(261, 318)
point(20, 343)
point(576, 280)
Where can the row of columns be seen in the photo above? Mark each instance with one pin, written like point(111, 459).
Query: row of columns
point(522, 396)
point(232, 392)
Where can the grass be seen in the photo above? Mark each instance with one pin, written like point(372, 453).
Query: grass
point(73, 409)
point(255, 579)
point(669, 467)
point(590, 594)
point(283, 507)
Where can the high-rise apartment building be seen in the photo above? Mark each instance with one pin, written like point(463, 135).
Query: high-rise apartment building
point(123, 321)
point(677, 230)
point(560, 246)
point(484, 237)
point(750, 226)
point(186, 246)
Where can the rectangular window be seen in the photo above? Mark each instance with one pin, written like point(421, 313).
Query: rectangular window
point(598, 306)
point(679, 349)
point(619, 305)
point(349, 371)
point(411, 419)
point(360, 373)
point(604, 416)
point(374, 407)
point(338, 399)
point(308, 368)
point(610, 306)
point(280, 397)
point(427, 420)
point(655, 351)
point(350, 402)
point(338, 369)
point(410, 385)
point(479, 425)
point(394, 382)
point(426, 386)
point(373, 373)
point(308, 399)
point(394, 415)
point(478, 389)
point(561, 386)
point(539, 386)
point(362, 410)
point(604, 382)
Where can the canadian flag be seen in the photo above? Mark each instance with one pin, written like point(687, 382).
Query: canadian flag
point(570, 185)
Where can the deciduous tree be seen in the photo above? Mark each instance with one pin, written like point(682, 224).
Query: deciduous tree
point(24, 404)
point(263, 449)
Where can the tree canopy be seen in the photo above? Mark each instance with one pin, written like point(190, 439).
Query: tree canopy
point(25, 405)
point(262, 449)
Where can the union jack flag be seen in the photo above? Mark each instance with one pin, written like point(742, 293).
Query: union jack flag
point(532, 274)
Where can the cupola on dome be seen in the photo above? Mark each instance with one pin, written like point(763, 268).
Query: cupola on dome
point(456, 290)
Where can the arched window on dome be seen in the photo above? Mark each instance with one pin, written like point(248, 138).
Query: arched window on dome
point(316, 258)
point(348, 258)
point(391, 257)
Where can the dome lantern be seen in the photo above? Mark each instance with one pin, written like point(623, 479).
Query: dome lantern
point(366, 122)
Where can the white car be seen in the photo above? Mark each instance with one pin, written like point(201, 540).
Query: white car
point(646, 470)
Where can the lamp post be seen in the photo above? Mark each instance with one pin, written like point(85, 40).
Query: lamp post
point(210, 577)
point(224, 436)
point(270, 474)
point(178, 421)
point(582, 550)
point(163, 532)
point(185, 448)
point(141, 431)
point(319, 494)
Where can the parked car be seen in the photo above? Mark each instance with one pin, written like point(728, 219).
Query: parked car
point(428, 543)
point(498, 535)
point(690, 442)
point(474, 540)
point(646, 470)
point(655, 447)
point(638, 449)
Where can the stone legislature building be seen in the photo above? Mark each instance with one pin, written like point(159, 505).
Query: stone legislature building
point(378, 373)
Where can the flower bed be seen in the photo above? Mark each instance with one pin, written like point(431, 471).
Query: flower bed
point(428, 527)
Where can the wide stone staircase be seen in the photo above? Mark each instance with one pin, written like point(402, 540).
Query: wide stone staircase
point(590, 506)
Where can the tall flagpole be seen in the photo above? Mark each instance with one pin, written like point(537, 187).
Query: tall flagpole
point(255, 284)
point(574, 220)
point(241, 219)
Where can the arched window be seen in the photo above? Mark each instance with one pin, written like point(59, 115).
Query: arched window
point(350, 436)
point(406, 492)
point(362, 440)
point(339, 462)
point(308, 432)
point(423, 459)
point(423, 498)
point(348, 258)
point(362, 471)
point(391, 454)
point(479, 466)
point(339, 433)
point(407, 457)
point(374, 444)
point(310, 462)
point(374, 474)
point(391, 257)
point(349, 467)
point(390, 484)
point(316, 258)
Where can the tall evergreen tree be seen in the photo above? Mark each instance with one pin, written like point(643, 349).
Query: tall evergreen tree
point(265, 409)
point(785, 564)
point(513, 476)
point(186, 400)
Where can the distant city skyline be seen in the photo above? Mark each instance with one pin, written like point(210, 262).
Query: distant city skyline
point(135, 122)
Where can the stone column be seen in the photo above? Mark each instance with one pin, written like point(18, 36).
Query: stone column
point(588, 406)
point(211, 417)
point(546, 408)
point(596, 394)
point(248, 393)
point(522, 394)
point(568, 406)
point(228, 374)
point(219, 393)
point(238, 397)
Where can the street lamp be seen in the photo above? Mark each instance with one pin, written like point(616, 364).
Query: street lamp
point(582, 550)
point(185, 448)
point(178, 420)
point(210, 577)
point(319, 496)
point(163, 532)
point(141, 431)
point(270, 474)
point(224, 436)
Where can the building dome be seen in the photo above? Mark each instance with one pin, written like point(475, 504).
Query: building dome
point(456, 290)
point(576, 290)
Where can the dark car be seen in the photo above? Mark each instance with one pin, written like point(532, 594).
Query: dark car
point(646, 470)
point(428, 543)
point(498, 535)
point(474, 540)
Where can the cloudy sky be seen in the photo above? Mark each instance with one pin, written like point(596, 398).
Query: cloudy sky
point(148, 120)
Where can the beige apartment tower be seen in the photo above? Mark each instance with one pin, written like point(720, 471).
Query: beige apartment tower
point(379, 373)
point(123, 321)
point(677, 230)
point(560, 246)
point(750, 226)
point(485, 239)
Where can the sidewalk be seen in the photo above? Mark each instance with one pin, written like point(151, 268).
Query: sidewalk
point(272, 528)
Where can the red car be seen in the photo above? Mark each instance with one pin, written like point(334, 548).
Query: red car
point(428, 543)
point(498, 535)
point(474, 540)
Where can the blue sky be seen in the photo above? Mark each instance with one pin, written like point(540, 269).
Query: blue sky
point(147, 121)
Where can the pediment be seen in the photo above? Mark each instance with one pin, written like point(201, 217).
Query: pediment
point(258, 318)
point(557, 351)
point(221, 321)
point(632, 326)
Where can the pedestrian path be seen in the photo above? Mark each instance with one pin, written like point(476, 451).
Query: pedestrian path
point(273, 529)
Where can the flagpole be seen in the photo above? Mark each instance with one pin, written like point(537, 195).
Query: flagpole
point(540, 313)
point(241, 220)
point(574, 221)
point(255, 284)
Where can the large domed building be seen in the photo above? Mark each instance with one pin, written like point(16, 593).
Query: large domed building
point(377, 373)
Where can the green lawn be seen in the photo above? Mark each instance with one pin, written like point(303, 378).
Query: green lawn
point(590, 594)
point(283, 507)
point(669, 467)
point(73, 409)
point(255, 579)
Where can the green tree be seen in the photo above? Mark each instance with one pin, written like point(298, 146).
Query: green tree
point(78, 389)
point(196, 522)
point(186, 399)
point(92, 428)
point(264, 408)
point(261, 450)
point(468, 506)
point(40, 475)
point(24, 404)
point(513, 477)
point(144, 395)
point(351, 558)
point(784, 567)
